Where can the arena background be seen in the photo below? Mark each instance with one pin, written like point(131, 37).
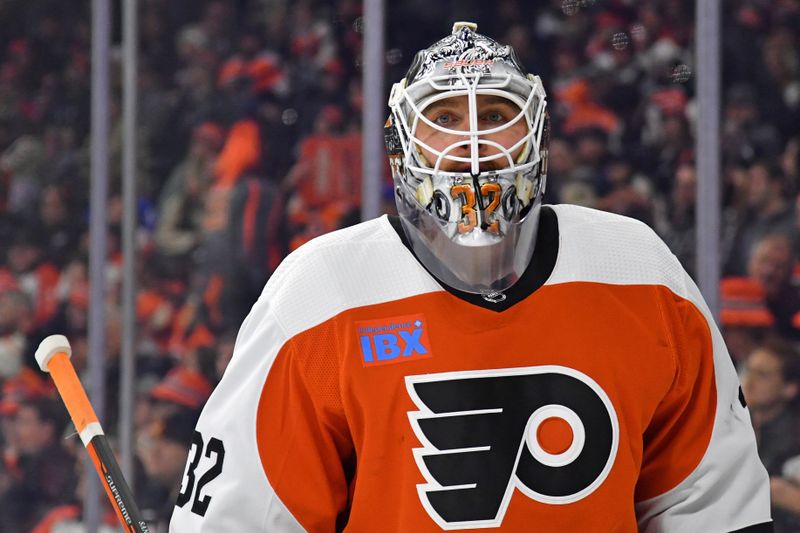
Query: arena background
point(248, 143)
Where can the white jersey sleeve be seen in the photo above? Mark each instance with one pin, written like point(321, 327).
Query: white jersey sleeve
point(729, 489)
point(224, 488)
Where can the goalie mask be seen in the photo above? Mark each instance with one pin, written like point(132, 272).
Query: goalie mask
point(467, 147)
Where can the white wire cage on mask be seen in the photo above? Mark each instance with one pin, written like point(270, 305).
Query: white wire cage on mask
point(474, 225)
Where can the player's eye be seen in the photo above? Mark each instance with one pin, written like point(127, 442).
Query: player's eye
point(495, 117)
point(445, 119)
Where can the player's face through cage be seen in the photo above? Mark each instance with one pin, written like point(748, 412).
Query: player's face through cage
point(444, 137)
point(482, 136)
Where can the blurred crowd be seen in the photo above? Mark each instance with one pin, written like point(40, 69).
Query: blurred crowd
point(249, 145)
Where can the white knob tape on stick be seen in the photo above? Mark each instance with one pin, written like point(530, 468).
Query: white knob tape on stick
point(49, 347)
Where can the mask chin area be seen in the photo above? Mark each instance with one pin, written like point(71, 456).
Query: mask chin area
point(477, 238)
point(479, 264)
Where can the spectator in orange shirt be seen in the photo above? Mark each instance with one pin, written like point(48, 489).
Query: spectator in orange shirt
point(35, 276)
point(744, 317)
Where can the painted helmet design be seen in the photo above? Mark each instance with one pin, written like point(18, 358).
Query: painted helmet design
point(469, 204)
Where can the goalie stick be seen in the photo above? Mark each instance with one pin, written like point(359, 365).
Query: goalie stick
point(53, 356)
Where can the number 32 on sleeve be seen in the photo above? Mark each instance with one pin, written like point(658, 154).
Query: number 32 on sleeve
point(215, 448)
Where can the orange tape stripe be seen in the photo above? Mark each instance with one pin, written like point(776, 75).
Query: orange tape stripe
point(71, 391)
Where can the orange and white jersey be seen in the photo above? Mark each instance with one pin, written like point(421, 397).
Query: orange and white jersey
point(364, 397)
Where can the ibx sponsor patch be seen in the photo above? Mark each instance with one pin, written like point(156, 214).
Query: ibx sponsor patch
point(393, 340)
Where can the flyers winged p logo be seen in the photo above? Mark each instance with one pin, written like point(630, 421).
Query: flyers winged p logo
point(485, 433)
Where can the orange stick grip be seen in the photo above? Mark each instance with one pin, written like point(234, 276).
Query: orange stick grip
point(71, 391)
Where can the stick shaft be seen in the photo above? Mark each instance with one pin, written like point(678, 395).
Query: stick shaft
point(115, 486)
point(83, 416)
